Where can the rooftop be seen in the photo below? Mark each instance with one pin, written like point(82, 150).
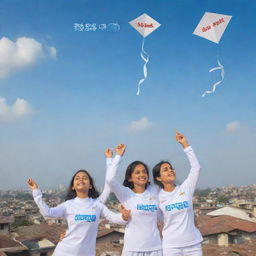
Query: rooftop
point(232, 211)
point(39, 232)
point(210, 225)
point(6, 219)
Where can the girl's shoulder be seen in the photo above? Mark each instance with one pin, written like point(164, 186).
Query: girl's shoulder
point(153, 189)
point(96, 201)
point(69, 201)
point(97, 204)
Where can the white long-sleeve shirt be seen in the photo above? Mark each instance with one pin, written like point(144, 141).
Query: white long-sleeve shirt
point(179, 228)
point(141, 232)
point(106, 190)
point(82, 215)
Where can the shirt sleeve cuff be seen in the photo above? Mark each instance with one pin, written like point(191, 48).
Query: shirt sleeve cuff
point(36, 192)
point(118, 157)
point(189, 148)
point(109, 160)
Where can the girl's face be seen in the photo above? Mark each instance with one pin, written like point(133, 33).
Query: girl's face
point(139, 175)
point(81, 182)
point(167, 174)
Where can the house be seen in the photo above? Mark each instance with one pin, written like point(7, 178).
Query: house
point(109, 242)
point(110, 236)
point(234, 212)
point(8, 246)
point(39, 247)
point(110, 239)
point(5, 224)
point(41, 231)
point(226, 230)
point(40, 239)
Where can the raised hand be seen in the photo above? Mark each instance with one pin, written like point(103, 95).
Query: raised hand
point(120, 149)
point(32, 185)
point(181, 139)
point(108, 153)
point(126, 214)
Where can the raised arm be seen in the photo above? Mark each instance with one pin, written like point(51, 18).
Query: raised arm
point(193, 176)
point(45, 210)
point(108, 154)
point(106, 190)
point(121, 192)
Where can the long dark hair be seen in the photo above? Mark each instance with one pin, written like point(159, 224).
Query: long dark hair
point(130, 170)
point(93, 193)
point(156, 172)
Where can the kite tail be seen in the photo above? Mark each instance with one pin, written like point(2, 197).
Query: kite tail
point(145, 57)
point(221, 67)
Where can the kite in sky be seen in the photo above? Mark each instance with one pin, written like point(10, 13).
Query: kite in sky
point(145, 25)
point(212, 27)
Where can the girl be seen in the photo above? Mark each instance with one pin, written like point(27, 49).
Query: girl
point(180, 236)
point(82, 209)
point(142, 237)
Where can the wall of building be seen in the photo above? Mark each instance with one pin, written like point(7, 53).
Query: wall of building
point(4, 228)
point(222, 239)
point(243, 237)
point(212, 239)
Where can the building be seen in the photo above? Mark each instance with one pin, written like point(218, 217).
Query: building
point(34, 240)
point(5, 224)
point(8, 246)
point(109, 242)
point(39, 247)
point(234, 212)
point(226, 230)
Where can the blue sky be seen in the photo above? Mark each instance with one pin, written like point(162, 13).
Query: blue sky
point(81, 97)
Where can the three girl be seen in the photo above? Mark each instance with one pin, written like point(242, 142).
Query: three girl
point(167, 201)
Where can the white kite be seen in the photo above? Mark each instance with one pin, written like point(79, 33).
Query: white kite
point(212, 27)
point(145, 25)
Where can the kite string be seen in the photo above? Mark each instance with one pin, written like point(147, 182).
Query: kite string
point(145, 57)
point(221, 67)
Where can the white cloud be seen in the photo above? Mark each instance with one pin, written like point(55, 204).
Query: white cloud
point(19, 110)
point(21, 54)
point(140, 125)
point(233, 126)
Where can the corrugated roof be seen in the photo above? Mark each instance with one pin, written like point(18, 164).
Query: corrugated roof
point(232, 211)
point(209, 225)
point(38, 232)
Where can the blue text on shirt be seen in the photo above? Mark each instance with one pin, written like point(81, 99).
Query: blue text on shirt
point(88, 218)
point(147, 207)
point(178, 206)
